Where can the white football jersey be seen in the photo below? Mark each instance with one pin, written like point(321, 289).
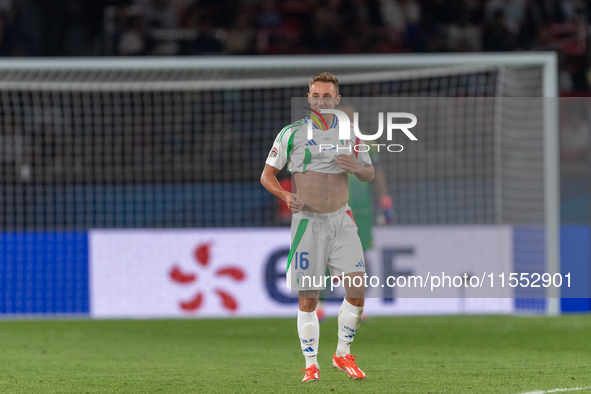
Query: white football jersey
point(318, 154)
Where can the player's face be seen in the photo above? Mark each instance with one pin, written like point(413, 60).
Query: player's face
point(323, 95)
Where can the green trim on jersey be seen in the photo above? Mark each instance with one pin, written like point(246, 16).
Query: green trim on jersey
point(300, 122)
point(296, 240)
point(307, 158)
point(289, 148)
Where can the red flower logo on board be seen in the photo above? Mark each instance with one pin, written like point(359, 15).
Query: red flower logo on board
point(202, 257)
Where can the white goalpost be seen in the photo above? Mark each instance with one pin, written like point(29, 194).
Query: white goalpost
point(179, 142)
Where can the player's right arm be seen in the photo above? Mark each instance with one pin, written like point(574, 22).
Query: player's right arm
point(270, 182)
point(276, 160)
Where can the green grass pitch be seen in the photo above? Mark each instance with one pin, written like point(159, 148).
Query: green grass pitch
point(454, 354)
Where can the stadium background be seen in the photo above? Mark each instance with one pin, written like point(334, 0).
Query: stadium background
point(67, 185)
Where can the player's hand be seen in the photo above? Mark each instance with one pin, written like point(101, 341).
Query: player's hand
point(294, 203)
point(347, 163)
point(386, 213)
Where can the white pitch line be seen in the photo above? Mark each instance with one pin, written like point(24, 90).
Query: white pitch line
point(557, 390)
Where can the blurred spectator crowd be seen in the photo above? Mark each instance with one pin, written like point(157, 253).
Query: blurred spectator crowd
point(238, 27)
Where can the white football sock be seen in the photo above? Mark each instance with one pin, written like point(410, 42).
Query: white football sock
point(309, 331)
point(349, 321)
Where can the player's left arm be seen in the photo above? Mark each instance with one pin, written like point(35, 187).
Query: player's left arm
point(365, 173)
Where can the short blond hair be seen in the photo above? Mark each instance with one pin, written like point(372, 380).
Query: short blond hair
point(325, 77)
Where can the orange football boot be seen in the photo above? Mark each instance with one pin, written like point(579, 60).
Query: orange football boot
point(347, 364)
point(312, 374)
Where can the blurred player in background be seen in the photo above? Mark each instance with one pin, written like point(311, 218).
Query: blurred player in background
point(323, 229)
point(360, 196)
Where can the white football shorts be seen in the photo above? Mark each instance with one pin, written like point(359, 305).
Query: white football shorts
point(321, 240)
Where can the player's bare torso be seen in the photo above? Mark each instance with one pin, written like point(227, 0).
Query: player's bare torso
point(322, 193)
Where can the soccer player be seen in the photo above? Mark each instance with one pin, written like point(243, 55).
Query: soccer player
point(323, 231)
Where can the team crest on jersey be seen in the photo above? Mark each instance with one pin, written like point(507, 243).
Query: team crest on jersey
point(273, 153)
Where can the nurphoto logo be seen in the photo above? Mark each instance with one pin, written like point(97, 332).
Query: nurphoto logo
point(345, 128)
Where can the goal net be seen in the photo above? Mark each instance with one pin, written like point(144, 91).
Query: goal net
point(172, 143)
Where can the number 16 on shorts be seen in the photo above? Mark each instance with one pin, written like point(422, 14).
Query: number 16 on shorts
point(301, 260)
